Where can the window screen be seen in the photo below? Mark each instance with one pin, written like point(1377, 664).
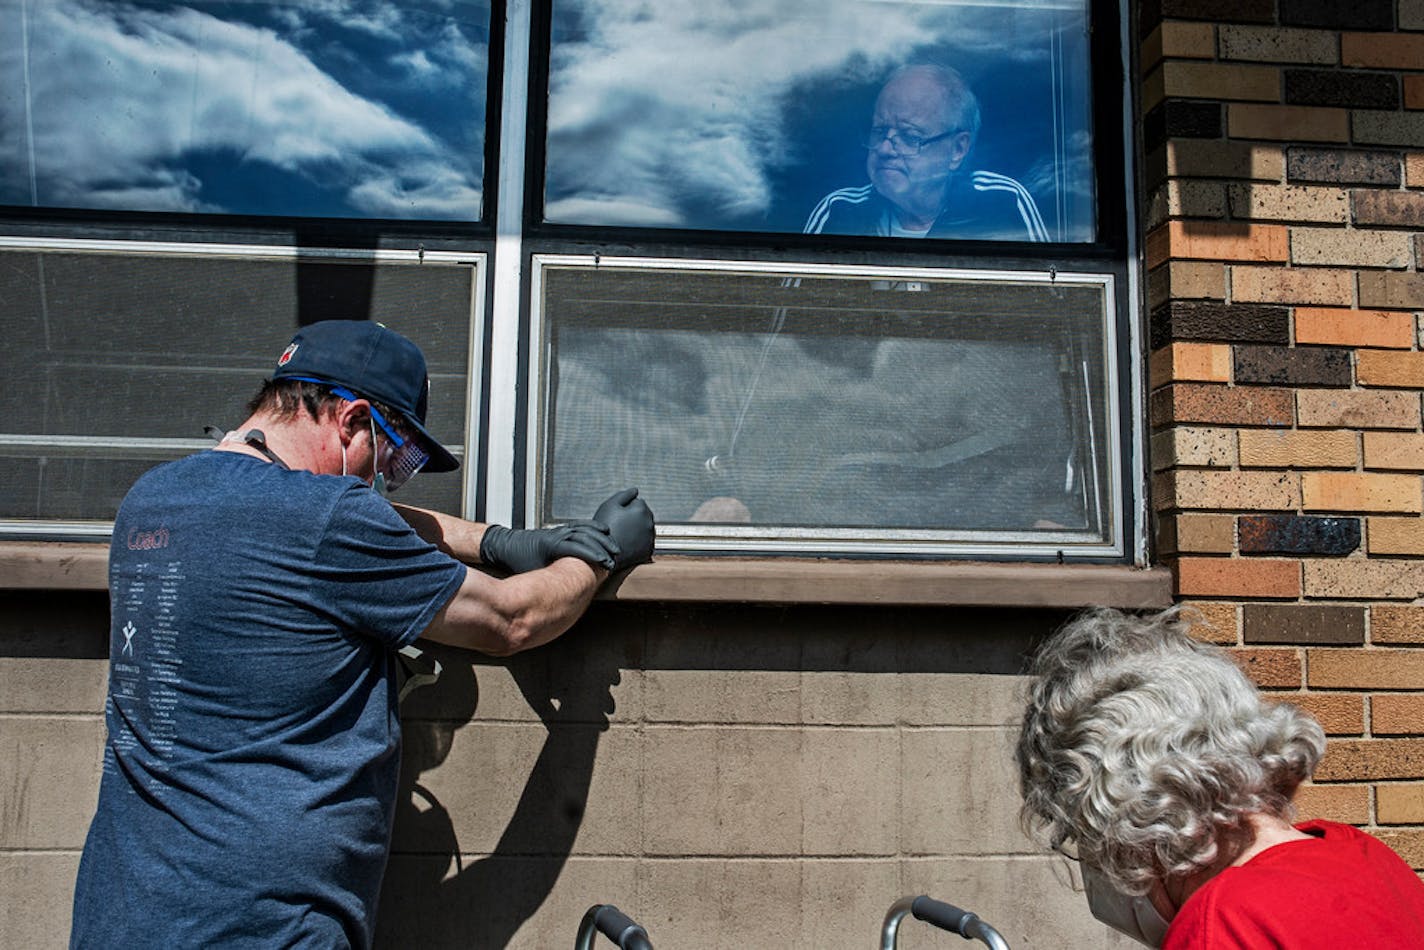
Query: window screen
point(917, 409)
point(115, 362)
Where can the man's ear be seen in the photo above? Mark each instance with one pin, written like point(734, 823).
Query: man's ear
point(959, 147)
point(351, 418)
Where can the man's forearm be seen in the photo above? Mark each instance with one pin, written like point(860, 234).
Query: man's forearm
point(454, 535)
point(503, 617)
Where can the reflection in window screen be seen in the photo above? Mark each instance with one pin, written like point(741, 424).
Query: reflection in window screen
point(358, 109)
point(826, 403)
point(745, 115)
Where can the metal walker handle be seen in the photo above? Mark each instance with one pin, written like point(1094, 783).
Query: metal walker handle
point(942, 915)
point(613, 924)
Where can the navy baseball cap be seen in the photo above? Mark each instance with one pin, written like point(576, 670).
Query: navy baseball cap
point(373, 362)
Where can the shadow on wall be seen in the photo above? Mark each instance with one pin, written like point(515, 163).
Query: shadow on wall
point(435, 896)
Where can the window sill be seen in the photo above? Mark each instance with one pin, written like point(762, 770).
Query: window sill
point(39, 565)
point(892, 583)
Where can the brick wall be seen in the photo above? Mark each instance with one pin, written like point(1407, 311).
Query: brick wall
point(1285, 184)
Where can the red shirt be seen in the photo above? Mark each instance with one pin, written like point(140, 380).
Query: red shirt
point(1341, 889)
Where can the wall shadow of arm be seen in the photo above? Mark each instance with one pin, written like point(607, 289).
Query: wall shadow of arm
point(483, 903)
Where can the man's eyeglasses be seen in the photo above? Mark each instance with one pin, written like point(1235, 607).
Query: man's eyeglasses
point(406, 458)
point(903, 142)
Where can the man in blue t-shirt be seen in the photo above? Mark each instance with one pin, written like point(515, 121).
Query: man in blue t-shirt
point(259, 593)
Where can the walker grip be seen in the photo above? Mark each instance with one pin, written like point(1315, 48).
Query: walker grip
point(942, 915)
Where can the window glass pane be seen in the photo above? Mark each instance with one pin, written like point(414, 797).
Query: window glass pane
point(834, 116)
point(953, 407)
point(115, 362)
point(343, 108)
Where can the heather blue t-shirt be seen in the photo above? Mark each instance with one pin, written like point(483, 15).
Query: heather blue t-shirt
point(251, 766)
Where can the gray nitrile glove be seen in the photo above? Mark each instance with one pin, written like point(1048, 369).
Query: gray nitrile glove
point(517, 551)
point(630, 522)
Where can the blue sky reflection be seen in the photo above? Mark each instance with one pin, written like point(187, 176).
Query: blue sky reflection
point(740, 115)
point(333, 108)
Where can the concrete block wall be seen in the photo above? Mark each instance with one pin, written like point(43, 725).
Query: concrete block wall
point(732, 776)
point(1285, 157)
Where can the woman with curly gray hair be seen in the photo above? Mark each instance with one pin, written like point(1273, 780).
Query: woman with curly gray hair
point(1154, 761)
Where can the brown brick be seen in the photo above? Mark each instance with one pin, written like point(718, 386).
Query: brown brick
point(1299, 285)
point(1375, 127)
point(1198, 362)
point(1238, 577)
point(1401, 804)
point(1365, 760)
point(1212, 621)
point(1187, 158)
point(1270, 669)
point(1342, 166)
point(1351, 248)
point(1297, 448)
point(1348, 804)
point(1269, 44)
point(1361, 491)
point(1196, 489)
point(1204, 534)
point(1303, 624)
point(1339, 714)
point(1217, 241)
point(1396, 624)
point(1396, 536)
point(1414, 170)
point(1388, 291)
point(1414, 92)
point(1382, 50)
point(1358, 578)
point(1409, 845)
point(1221, 81)
point(1344, 327)
point(1186, 280)
point(1394, 450)
point(1404, 209)
point(1291, 366)
point(1190, 445)
point(1365, 668)
point(1396, 714)
point(1290, 203)
point(1287, 123)
point(1222, 405)
point(1225, 323)
point(1395, 368)
point(1357, 409)
point(1176, 40)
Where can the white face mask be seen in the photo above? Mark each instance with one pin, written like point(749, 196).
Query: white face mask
point(378, 478)
point(1134, 916)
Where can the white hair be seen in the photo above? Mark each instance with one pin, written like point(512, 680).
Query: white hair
point(1147, 750)
point(961, 105)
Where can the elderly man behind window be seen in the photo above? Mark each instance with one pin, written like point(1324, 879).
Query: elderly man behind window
point(921, 135)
